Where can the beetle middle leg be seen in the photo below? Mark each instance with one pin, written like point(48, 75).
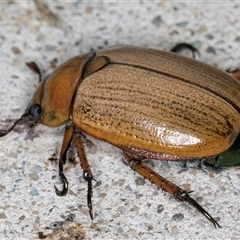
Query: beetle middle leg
point(181, 46)
point(87, 173)
point(178, 193)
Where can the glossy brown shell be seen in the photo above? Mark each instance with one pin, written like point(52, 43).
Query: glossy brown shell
point(55, 93)
point(158, 104)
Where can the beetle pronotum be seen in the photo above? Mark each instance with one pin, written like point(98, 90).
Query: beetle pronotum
point(149, 103)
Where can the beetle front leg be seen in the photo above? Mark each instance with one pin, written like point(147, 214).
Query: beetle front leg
point(87, 173)
point(68, 135)
point(177, 192)
point(235, 74)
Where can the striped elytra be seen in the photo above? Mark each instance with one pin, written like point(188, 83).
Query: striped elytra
point(146, 100)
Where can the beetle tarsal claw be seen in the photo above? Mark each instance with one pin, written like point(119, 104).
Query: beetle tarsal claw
point(89, 198)
point(89, 177)
point(64, 190)
point(184, 196)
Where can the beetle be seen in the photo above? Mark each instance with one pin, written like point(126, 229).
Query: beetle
point(149, 103)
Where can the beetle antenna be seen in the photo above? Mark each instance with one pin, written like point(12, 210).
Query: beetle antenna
point(34, 67)
point(5, 132)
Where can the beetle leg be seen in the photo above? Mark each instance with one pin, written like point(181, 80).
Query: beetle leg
point(34, 67)
point(235, 73)
point(87, 173)
point(178, 193)
point(68, 135)
point(180, 46)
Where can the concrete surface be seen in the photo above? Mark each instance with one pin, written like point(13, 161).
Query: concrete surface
point(125, 205)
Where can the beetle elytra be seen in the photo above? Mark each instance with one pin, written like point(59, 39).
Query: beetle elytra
point(149, 103)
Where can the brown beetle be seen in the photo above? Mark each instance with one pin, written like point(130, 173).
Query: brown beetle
point(149, 103)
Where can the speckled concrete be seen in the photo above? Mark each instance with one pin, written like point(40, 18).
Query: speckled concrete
point(125, 205)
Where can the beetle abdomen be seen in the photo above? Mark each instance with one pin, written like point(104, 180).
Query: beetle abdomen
point(140, 108)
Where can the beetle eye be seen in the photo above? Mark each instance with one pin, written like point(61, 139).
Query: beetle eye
point(35, 111)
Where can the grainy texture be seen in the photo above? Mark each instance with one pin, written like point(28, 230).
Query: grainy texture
point(125, 206)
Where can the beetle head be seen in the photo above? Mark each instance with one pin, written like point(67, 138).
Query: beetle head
point(51, 102)
point(34, 108)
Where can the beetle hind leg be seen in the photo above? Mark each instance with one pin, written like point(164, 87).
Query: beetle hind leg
point(179, 194)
